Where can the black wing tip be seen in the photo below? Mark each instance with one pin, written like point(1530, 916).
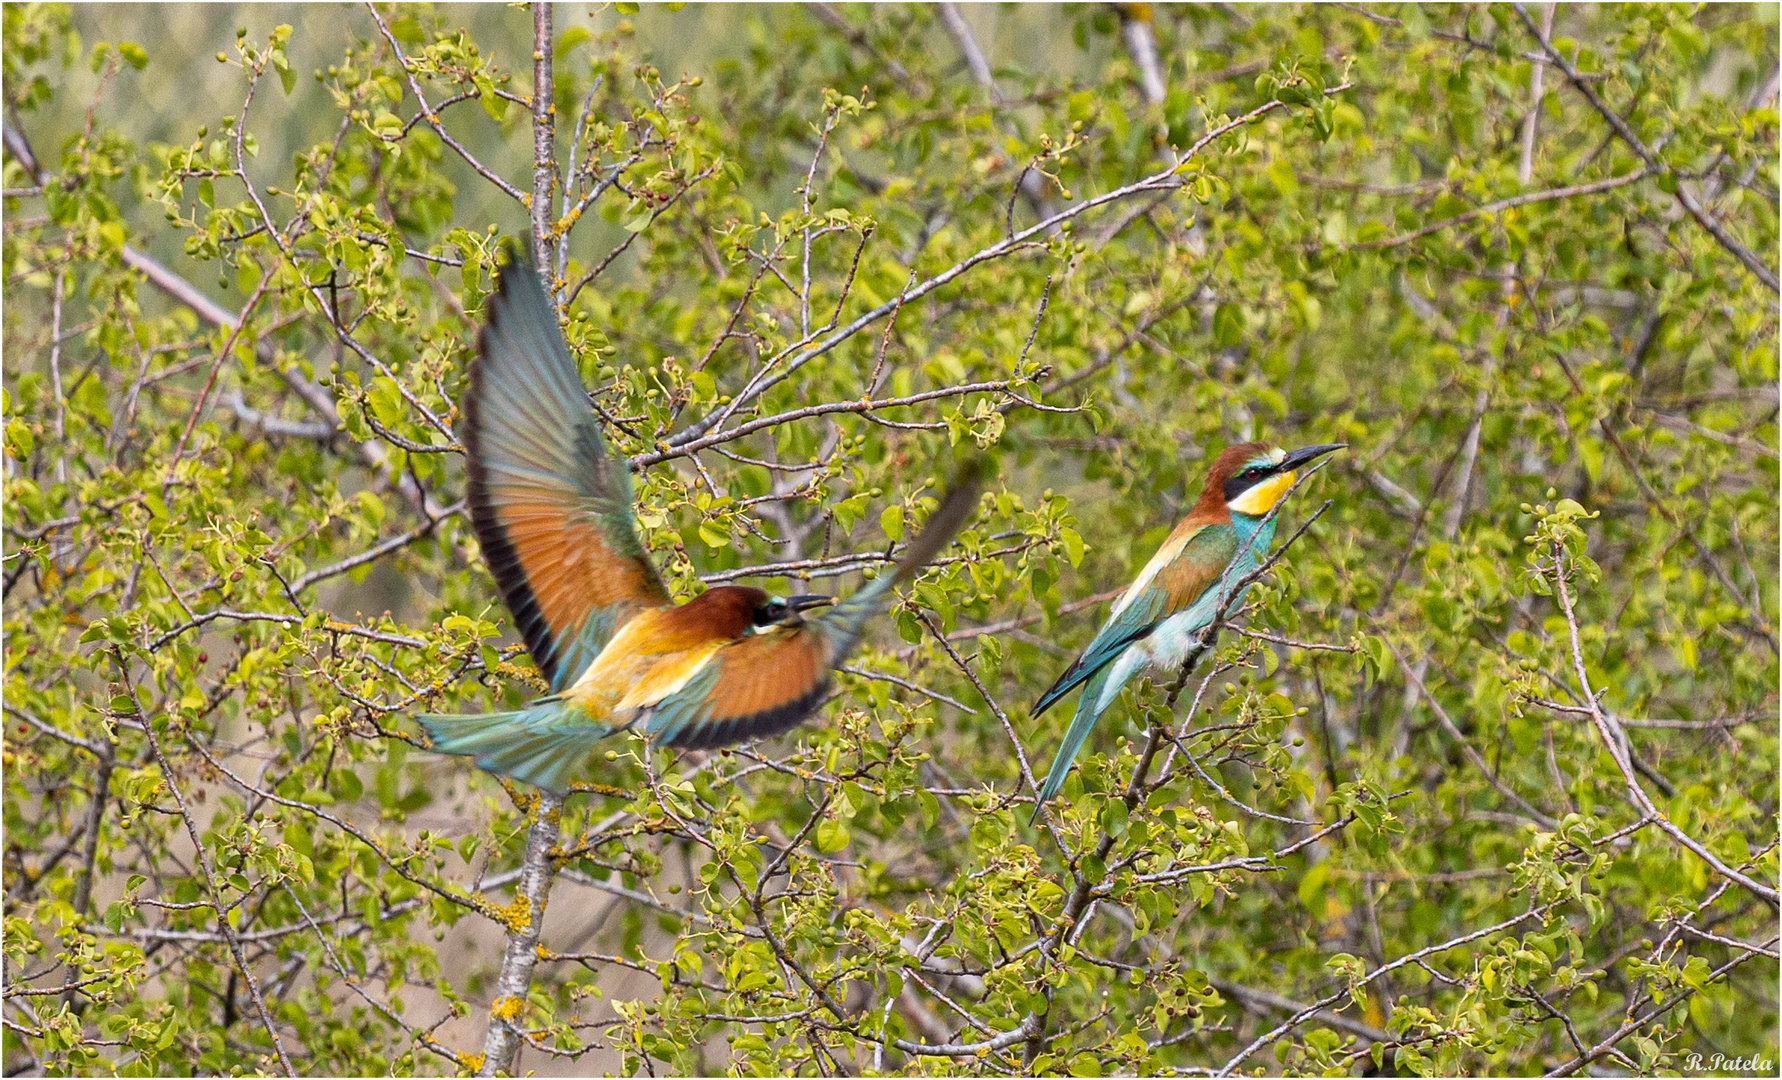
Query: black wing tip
point(516, 592)
point(1055, 693)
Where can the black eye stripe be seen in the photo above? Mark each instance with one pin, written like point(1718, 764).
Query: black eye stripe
point(1246, 478)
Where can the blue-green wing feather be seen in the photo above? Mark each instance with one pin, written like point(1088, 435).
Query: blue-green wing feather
point(685, 709)
point(1174, 587)
point(538, 744)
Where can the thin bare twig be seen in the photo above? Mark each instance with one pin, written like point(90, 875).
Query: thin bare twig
point(802, 353)
point(1473, 756)
point(1531, 121)
point(1594, 187)
point(210, 883)
point(1606, 730)
point(432, 115)
point(1689, 202)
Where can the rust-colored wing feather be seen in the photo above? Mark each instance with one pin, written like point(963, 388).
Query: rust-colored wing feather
point(752, 688)
point(551, 508)
point(766, 682)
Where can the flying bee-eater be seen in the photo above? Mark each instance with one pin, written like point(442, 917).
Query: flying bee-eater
point(1160, 616)
point(553, 514)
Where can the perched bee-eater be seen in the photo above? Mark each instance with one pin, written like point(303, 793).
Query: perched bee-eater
point(1160, 616)
point(553, 513)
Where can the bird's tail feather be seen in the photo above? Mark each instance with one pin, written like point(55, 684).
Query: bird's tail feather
point(538, 744)
point(1088, 712)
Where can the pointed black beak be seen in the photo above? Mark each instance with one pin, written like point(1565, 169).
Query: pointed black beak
point(1296, 458)
point(801, 603)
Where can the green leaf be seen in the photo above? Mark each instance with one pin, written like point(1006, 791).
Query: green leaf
point(930, 808)
point(1311, 887)
point(1113, 818)
point(1281, 175)
point(832, 836)
point(570, 38)
point(1448, 206)
point(493, 104)
point(1228, 325)
point(347, 785)
point(1073, 546)
point(386, 401)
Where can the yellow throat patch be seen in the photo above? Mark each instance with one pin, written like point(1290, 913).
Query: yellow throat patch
point(1262, 497)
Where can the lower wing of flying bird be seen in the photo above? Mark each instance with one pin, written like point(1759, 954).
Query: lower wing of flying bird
point(768, 681)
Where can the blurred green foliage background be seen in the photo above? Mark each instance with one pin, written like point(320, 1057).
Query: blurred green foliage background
point(1482, 780)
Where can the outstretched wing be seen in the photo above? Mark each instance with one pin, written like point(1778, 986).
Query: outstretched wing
point(754, 687)
point(766, 683)
point(1187, 564)
point(551, 508)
